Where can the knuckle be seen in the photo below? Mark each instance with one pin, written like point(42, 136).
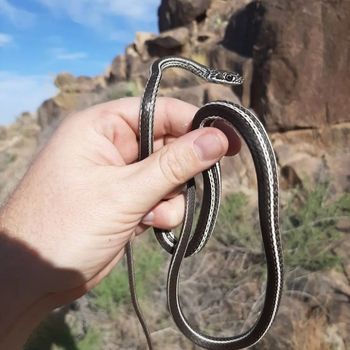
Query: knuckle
point(173, 166)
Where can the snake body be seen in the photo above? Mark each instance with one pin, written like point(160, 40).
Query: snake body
point(256, 138)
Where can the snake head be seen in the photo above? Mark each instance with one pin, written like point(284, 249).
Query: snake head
point(224, 77)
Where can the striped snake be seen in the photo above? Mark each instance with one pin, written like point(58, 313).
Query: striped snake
point(256, 138)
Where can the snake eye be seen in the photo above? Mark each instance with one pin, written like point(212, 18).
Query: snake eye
point(229, 77)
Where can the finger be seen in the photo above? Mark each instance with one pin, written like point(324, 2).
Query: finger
point(142, 227)
point(159, 143)
point(119, 122)
point(227, 129)
point(167, 214)
point(172, 116)
point(156, 176)
point(177, 191)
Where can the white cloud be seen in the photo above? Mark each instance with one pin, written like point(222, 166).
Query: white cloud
point(19, 17)
point(72, 56)
point(101, 12)
point(60, 53)
point(19, 93)
point(5, 39)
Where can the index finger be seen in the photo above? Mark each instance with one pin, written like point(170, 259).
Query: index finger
point(171, 117)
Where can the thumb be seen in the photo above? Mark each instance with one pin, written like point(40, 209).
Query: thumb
point(177, 162)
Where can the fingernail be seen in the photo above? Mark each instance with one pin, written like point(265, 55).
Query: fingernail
point(208, 146)
point(148, 219)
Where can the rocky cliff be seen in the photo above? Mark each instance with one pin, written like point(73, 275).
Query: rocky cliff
point(295, 57)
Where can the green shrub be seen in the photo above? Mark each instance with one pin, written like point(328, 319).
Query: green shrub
point(55, 334)
point(91, 340)
point(114, 290)
point(122, 89)
point(237, 224)
point(309, 227)
point(52, 333)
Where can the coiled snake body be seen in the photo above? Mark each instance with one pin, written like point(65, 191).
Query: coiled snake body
point(255, 136)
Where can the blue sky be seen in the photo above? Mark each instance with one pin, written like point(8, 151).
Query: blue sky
point(40, 38)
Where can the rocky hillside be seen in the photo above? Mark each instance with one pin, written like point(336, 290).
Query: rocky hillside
point(294, 56)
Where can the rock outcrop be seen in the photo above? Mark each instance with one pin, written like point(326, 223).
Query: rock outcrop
point(301, 61)
point(74, 93)
point(291, 77)
point(176, 13)
point(66, 82)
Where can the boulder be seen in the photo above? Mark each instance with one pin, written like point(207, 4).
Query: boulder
point(203, 93)
point(301, 61)
point(168, 43)
point(59, 106)
point(140, 44)
point(243, 28)
point(193, 95)
point(179, 78)
point(220, 92)
point(136, 69)
point(314, 155)
point(48, 112)
point(305, 157)
point(117, 70)
point(218, 15)
point(176, 13)
point(63, 80)
point(66, 82)
point(300, 163)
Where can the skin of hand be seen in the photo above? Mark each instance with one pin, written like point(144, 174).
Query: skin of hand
point(86, 195)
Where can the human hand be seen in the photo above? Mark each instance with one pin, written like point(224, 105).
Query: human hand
point(85, 195)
